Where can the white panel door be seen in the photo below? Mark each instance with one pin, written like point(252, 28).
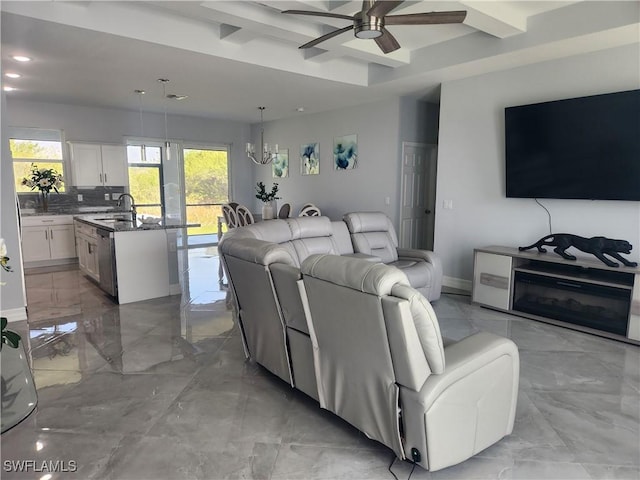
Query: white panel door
point(417, 196)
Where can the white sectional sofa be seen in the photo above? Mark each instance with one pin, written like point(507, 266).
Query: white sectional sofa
point(352, 333)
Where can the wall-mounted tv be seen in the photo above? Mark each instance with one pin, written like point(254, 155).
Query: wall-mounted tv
point(580, 148)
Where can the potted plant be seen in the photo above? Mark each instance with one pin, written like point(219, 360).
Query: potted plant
point(269, 198)
point(45, 180)
point(19, 396)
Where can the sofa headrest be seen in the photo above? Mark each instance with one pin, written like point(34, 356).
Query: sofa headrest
point(257, 251)
point(306, 227)
point(360, 222)
point(427, 326)
point(354, 273)
point(275, 231)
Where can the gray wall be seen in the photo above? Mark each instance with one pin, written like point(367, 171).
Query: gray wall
point(12, 293)
point(380, 127)
point(471, 160)
point(103, 125)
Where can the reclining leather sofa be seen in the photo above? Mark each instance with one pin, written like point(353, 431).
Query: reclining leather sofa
point(306, 303)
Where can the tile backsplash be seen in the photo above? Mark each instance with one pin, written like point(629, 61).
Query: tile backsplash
point(91, 197)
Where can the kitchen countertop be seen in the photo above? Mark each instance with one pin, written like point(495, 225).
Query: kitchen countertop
point(123, 225)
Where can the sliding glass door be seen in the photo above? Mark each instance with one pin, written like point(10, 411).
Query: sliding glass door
point(206, 187)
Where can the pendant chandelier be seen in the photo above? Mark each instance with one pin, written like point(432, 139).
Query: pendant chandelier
point(265, 155)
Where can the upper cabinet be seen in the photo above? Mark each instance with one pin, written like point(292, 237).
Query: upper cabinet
point(98, 165)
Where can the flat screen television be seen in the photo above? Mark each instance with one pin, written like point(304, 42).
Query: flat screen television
point(580, 148)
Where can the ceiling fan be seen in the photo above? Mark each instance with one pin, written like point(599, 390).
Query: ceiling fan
point(371, 20)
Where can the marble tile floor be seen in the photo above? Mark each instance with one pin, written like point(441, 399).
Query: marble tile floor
point(161, 390)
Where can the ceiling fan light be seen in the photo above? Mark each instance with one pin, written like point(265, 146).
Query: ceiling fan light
point(368, 34)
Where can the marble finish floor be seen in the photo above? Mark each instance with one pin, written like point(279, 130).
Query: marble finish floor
point(161, 390)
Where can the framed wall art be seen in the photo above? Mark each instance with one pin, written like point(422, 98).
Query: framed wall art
point(310, 159)
point(345, 152)
point(280, 165)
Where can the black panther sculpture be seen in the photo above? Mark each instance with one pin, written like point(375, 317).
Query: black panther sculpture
point(598, 246)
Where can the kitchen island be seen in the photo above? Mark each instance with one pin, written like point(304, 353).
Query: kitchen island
point(131, 262)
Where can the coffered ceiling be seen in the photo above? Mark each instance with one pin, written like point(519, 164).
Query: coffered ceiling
point(231, 56)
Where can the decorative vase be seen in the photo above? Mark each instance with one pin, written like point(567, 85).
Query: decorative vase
point(44, 201)
point(19, 396)
point(268, 212)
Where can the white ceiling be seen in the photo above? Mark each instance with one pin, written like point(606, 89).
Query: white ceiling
point(229, 57)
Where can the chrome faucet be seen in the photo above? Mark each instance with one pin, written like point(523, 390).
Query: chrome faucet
point(133, 211)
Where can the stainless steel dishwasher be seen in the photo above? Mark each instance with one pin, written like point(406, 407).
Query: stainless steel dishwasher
point(107, 262)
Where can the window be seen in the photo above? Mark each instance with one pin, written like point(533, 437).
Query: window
point(145, 178)
point(39, 147)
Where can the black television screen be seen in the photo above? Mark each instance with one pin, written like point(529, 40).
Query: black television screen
point(581, 148)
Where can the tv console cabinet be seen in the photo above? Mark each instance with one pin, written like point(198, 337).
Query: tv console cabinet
point(584, 294)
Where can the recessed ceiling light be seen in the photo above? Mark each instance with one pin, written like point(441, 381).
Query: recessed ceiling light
point(300, 109)
point(21, 58)
point(13, 75)
point(8, 88)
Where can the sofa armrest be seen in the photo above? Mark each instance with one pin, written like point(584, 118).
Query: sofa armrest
point(364, 256)
point(416, 254)
point(468, 407)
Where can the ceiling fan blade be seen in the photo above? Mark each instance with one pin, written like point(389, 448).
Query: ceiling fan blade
point(432, 18)
point(313, 43)
point(318, 14)
point(382, 7)
point(387, 42)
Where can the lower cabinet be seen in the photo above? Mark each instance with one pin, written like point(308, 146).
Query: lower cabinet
point(87, 246)
point(48, 238)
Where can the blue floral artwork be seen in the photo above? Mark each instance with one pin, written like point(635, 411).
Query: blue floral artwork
point(345, 152)
point(280, 165)
point(310, 159)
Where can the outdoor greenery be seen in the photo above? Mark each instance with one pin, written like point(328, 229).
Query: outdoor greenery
point(26, 151)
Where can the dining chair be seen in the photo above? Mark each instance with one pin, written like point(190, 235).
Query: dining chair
point(309, 210)
point(285, 210)
point(230, 216)
point(245, 217)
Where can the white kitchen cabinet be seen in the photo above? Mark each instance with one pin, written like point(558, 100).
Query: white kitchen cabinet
point(99, 165)
point(48, 238)
point(87, 245)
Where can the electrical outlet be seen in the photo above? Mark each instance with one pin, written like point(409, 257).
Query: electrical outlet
point(447, 204)
point(106, 196)
point(80, 198)
point(387, 201)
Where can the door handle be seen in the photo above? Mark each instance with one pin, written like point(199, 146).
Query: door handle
point(105, 178)
point(427, 211)
point(46, 235)
point(51, 234)
point(100, 177)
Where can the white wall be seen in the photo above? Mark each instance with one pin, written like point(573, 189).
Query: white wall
point(380, 132)
point(12, 293)
point(471, 160)
point(104, 125)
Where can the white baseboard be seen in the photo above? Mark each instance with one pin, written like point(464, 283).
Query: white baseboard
point(457, 283)
point(15, 314)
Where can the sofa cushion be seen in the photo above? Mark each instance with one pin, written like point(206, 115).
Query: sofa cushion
point(419, 273)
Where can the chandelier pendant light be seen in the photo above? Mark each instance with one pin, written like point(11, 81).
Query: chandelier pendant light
point(143, 151)
point(167, 144)
point(266, 155)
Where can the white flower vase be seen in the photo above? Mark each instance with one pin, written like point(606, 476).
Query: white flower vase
point(269, 210)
